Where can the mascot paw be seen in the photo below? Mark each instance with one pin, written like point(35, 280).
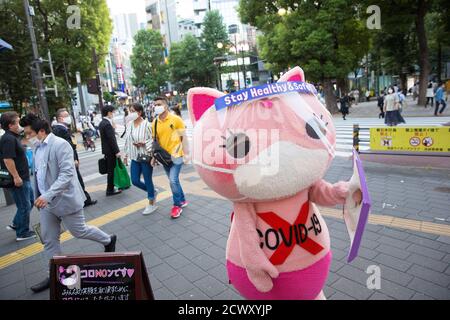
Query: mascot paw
point(261, 280)
point(341, 189)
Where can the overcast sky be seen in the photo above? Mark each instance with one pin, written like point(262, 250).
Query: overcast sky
point(184, 8)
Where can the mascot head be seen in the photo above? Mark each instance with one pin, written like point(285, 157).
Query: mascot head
point(263, 143)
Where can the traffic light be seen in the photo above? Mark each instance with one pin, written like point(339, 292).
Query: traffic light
point(73, 96)
point(92, 86)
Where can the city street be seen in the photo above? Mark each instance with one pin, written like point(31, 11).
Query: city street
point(284, 105)
point(407, 237)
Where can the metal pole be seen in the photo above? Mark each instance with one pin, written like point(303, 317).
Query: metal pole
point(99, 85)
point(80, 93)
point(36, 62)
point(244, 71)
point(220, 78)
point(50, 62)
point(356, 137)
point(8, 197)
point(237, 61)
point(69, 91)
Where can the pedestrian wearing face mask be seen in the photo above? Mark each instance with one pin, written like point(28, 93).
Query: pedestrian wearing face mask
point(14, 161)
point(109, 147)
point(392, 108)
point(62, 129)
point(169, 132)
point(138, 148)
point(59, 196)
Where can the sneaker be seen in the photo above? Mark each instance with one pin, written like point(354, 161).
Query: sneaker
point(26, 236)
point(176, 212)
point(184, 204)
point(149, 209)
point(10, 227)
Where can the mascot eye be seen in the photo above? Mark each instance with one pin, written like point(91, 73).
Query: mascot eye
point(315, 122)
point(237, 145)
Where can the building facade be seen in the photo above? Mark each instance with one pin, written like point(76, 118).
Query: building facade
point(162, 16)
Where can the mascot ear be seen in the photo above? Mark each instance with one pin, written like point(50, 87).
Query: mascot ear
point(199, 100)
point(295, 74)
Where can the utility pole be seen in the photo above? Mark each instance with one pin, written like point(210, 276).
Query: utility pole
point(69, 91)
point(29, 11)
point(243, 68)
point(80, 93)
point(237, 61)
point(97, 75)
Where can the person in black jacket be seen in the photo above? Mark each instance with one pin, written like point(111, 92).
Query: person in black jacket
point(344, 101)
point(109, 147)
point(62, 129)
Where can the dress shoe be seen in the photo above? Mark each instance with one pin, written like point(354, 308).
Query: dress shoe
point(114, 192)
point(41, 286)
point(90, 203)
point(111, 247)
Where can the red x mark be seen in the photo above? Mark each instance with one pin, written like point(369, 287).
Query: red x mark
point(283, 251)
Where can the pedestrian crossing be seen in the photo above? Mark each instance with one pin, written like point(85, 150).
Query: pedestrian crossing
point(344, 133)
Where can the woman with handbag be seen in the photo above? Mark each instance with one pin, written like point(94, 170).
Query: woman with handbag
point(138, 147)
point(391, 108)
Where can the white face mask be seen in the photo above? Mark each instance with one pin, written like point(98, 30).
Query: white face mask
point(68, 120)
point(131, 117)
point(159, 109)
point(34, 141)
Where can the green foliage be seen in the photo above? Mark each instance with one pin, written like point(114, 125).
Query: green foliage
point(186, 65)
point(108, 97)
point(214, 32)
point(147, 61)
point(326, 38)
point(192, 60)
point(69, 47)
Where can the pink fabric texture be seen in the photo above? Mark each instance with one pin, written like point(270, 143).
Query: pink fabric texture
point(304, 284)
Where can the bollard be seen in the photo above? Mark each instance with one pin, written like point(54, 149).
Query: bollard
point(356, 137)
point(8, 197)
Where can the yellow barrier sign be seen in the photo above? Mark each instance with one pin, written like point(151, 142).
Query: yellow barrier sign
point(422, 139)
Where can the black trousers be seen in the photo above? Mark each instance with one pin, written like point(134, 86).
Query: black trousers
point(80, 179)
point(444, 104)
point(110, 165)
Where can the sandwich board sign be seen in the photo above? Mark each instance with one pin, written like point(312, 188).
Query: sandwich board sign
point(100, 277)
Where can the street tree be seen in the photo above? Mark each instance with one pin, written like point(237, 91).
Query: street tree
point(326, 38)
point(147, 61)
point(70, 45)
point(186, 64)
point(214, 32)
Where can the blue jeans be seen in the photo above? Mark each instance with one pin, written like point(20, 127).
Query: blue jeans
point(138, 168)
point(24, 199)
point(173, 173)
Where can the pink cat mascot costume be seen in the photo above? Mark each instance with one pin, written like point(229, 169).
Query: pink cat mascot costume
point(268, 156)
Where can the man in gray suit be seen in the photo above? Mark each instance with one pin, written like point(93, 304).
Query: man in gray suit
point(59, 195)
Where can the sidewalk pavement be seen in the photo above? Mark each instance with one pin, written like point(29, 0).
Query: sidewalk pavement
point(370, 110)
point(185, 257)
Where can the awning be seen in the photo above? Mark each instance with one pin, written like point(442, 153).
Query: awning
point(5, 45)
point(121, 94)
point(5, 105)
